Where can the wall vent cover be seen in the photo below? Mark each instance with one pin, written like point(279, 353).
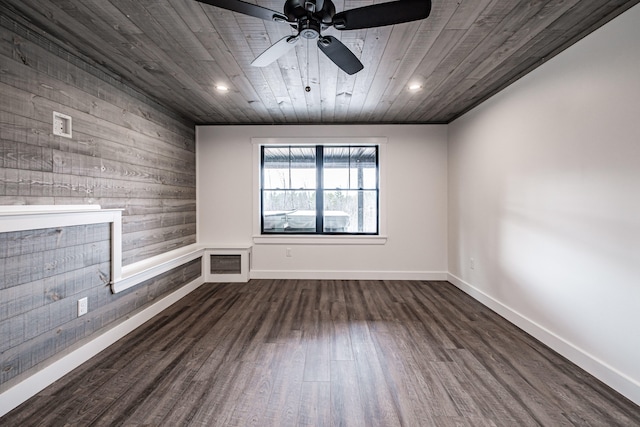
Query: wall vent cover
point(226, 264)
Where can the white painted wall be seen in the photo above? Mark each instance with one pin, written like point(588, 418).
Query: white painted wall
point(415, 194)
point(544, 195)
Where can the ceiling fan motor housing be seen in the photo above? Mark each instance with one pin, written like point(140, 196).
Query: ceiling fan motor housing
point(309, 28)
point(320, 11)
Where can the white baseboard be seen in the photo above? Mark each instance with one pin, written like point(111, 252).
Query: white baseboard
point(599, 369)
point(348, 275)
point(24, 390)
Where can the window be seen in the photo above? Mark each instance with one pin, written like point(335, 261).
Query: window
point(319, 189)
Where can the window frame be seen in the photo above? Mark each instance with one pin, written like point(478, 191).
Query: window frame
point(320, 238)
point(321, 190)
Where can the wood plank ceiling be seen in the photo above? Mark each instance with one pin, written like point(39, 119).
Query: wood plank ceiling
point(178, 51)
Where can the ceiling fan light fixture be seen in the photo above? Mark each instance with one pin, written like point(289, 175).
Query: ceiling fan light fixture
point(309, 17)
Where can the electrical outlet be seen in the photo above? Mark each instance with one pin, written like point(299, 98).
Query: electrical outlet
point(472, 263)
point(61, 124)
point(83, 306)
point(288, 253)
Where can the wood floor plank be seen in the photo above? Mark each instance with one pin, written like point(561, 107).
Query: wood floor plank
point(93, 407)
point(379, 407)
point(157, 401)
point(340, 336)
point(318, 348)
point(123, 408)
point(211, 398)
point(284, 402)
point(320, 353)
point(315, 397)
point(512, 381)
point(250, 409)
point(489, 395)
point(346, 407)
point(391, 346)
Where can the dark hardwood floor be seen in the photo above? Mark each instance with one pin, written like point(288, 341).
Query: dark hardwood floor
point(319, 353)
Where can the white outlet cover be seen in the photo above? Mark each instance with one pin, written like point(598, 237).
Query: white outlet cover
point(61, 124)
point(83, 306)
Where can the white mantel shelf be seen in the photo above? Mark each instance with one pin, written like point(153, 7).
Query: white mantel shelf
point(20, 218)
point(37, 217)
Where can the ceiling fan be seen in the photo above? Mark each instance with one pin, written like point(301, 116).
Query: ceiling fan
point(310, 17)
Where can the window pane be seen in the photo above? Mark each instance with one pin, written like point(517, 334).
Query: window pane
point(350, 168)
point(289, 168)
point(275, 170)
point(276, 179)
point(303, 167)
point(351, 211)
point(289, 211)
point(336, 167)
point(363, 168)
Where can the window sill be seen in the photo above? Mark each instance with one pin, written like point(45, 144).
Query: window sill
point(319, 240)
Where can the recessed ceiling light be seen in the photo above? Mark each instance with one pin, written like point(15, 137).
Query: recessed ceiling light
point(415, 86)
point(222, 88)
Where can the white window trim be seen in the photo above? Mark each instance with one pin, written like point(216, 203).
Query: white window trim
point(322, 239)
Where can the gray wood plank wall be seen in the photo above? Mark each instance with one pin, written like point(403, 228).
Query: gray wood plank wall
point(43, 273)
point(126, 152)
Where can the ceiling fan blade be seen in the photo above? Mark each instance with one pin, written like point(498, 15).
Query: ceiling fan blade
point(381, 14)
point(247, 9)
point(275, 51)
point(340, 54)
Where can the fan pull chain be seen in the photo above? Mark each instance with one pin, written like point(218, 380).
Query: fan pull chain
point(307, 87)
